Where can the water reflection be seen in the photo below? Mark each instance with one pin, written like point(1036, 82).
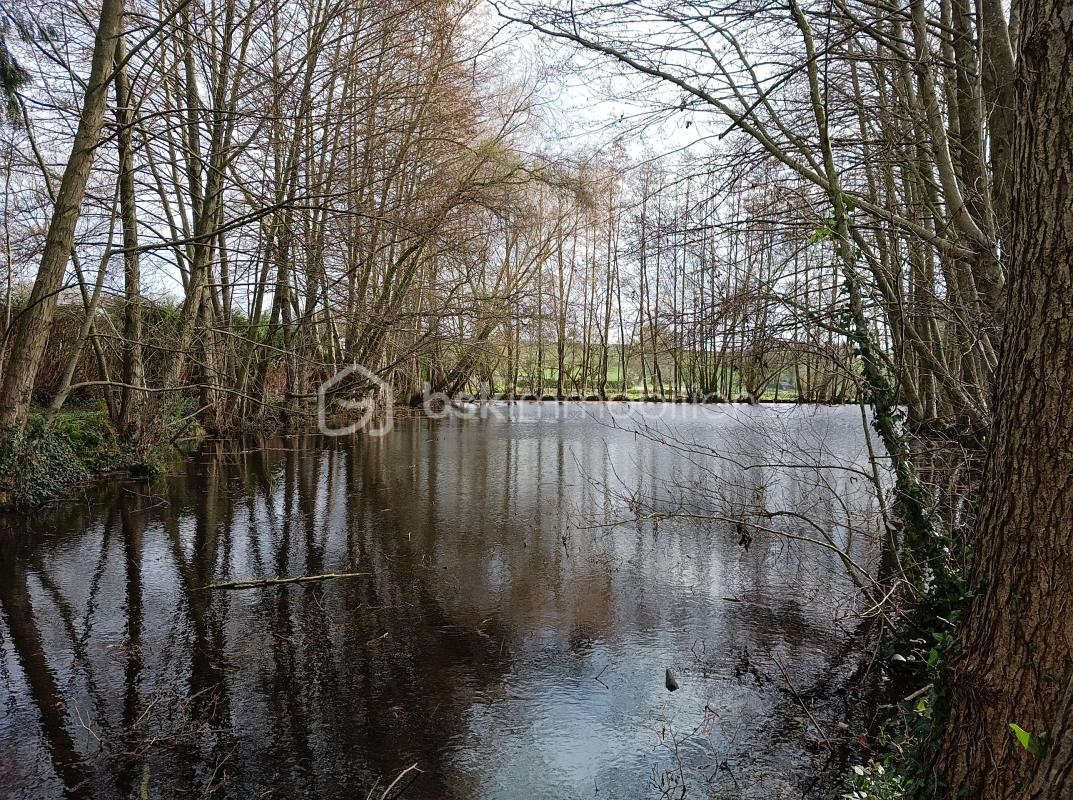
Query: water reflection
point(507, 641)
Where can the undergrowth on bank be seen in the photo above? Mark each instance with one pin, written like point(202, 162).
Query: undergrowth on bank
point(920, 651)
point(46, 458)
point(905, 745)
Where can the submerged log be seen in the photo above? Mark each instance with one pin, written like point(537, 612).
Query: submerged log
point(259, 583)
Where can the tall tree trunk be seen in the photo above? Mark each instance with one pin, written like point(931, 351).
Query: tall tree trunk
point(1000, 94)
point(130, 415)
point(29, 344)
point(1017, 638)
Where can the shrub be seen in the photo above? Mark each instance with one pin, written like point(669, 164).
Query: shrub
point(36, 464)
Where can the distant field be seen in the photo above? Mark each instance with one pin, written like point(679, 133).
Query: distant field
point(527, 382)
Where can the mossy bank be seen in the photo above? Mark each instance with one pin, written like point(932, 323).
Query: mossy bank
point(46, 459)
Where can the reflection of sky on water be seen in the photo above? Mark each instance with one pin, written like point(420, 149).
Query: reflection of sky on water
point(504, 642)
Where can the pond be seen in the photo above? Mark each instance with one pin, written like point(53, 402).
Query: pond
point(527, 576)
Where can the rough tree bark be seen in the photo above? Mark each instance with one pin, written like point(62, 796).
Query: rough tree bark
point(29, 344)
point(1017, 640)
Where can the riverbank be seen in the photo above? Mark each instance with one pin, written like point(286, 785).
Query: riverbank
point(46, 459)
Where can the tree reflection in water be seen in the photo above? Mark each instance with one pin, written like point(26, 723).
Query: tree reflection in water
point(501, 640)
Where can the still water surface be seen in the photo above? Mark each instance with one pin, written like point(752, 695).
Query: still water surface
point(509, 639)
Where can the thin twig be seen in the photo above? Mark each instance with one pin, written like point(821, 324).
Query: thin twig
point(398, 778)
point(805, 708)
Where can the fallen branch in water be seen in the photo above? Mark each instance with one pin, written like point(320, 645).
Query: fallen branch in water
point(395, 783)
point(257, 584)
point(804, 707)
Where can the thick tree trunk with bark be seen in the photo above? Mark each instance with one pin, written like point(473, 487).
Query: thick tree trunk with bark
point(1017, 662)
point(34, 328)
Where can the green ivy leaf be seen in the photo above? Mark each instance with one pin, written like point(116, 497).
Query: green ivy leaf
point(1036, 745)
